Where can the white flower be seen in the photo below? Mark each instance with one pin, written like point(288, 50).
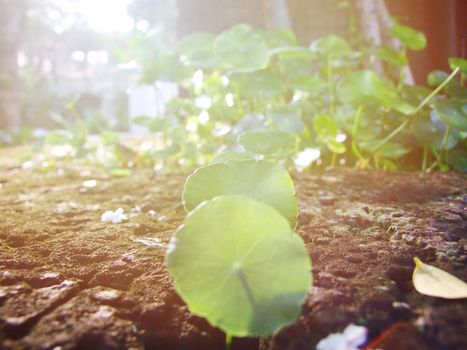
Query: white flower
point(62, 151)
point(306, 157)
point(89, 183)
point(203, 102)
point(114, 216)
point(203, 117)
point(350, 339)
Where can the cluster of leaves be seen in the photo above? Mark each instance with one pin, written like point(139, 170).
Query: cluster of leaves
point(249, 88)
point(232, 257)
point(90, 141)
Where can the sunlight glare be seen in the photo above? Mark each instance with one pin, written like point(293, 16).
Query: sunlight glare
point(105, 16)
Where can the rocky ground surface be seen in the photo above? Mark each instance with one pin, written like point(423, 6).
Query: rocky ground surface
point(70, 281)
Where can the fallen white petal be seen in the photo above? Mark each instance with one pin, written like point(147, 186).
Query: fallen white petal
point(350, 339)
point(114, 216)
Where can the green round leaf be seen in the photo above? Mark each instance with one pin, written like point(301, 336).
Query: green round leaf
point(453, 88)
point(453, 112)
point(336, 146)
point(289, 50)
point(427, 134)
point(281, 37)
point(269, 142)
point(314, 85)
point(325, 126)
point(457, 158)
point(391, 150)
point(237, 263)
point(242, 49)
point(294, 63)
point(414, 94)
point(196, 50)
point(286, 119)
point(364, 87)
point(166, 67)
point(231, 155)
point(393, 57)
point(460, 62)
point(330, 45)
point(410, 37)
point(262, 83)
point(436, 77)
point(261, 180)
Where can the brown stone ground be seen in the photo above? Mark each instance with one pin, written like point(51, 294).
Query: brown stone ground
point(70, 281)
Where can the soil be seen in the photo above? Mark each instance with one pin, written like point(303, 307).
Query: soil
point(70, 281)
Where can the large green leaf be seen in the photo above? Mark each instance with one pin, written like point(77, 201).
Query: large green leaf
point(453, 112)
point(236, 262)
point(364, 87)
point(269, 142)
point(261, 180)
point(330, 45)
point(242, 49)
point(196, 50)
point(410, 37)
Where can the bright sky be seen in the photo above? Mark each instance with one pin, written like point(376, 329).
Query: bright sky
point(107, 16)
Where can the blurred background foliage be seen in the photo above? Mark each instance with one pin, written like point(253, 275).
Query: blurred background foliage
point(309, 83)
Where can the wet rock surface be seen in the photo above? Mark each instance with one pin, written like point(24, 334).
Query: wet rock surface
point(70, 281)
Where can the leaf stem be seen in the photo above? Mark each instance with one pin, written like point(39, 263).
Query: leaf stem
point(444, 143)
point(376, 161)
point(228, 341)
point(401, 70)
point(438, 162)
point(425, 157)
point(432, 166)
point(330, 85)
point(356, 123)
point(415, 112)
point(445, 138)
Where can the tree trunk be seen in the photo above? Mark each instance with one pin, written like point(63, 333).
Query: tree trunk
point(371, 29)
point(276, 14)
point(11, 20)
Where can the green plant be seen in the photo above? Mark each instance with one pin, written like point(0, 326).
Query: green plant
point(232, 261)
point(261, 180)
point(248, 90)
point(232, 257)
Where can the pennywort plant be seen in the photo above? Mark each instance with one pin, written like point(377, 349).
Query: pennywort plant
point(264, 93)
point(236, 260)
